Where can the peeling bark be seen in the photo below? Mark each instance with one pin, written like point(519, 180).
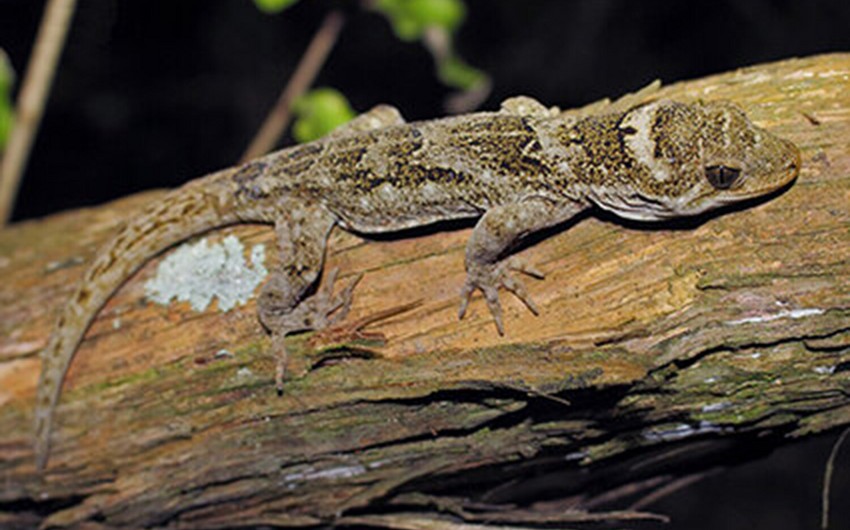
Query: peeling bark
point(659, 349)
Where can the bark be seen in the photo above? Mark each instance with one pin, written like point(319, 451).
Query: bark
point(657, 347)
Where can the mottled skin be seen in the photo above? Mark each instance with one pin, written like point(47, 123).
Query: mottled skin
point(518, 170)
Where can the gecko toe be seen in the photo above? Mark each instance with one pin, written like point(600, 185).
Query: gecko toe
point(525, 268)
point(489, 278)
point(281, 356)
point(491, 296)
point(341, 304)
point(518, 289)
point(465, 294)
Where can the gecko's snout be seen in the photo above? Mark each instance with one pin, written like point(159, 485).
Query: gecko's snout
point(792, 162)
point(796, 162)
point(773, 165)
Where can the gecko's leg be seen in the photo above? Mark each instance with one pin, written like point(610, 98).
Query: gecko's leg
point(284, 305)
point(488, 268)
point(302, 236)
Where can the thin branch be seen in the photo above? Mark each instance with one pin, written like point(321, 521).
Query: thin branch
point(438, 41)
point(668, 489)
point(827, 479)
point(306, 71)
point(32, 98)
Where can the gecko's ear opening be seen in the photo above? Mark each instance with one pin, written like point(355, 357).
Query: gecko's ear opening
point(722, 177)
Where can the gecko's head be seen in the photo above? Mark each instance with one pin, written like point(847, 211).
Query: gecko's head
point(739, 160)
point(704, 155)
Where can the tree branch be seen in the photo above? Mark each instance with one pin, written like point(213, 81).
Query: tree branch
point(657, 348)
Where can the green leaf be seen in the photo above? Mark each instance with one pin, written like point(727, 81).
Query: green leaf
point(446, 14)
point(7, 77)
point(273, 6)
point(410, 18)
point(318, 112)
point(453, 71)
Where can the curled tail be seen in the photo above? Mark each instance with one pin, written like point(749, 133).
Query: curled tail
point(199, 206)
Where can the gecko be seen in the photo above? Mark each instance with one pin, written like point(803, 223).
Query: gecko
point(518, 170)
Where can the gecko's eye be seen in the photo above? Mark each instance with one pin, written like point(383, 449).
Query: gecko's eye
point(722, 177)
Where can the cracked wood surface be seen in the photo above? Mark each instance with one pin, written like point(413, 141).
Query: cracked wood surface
point(727, 326)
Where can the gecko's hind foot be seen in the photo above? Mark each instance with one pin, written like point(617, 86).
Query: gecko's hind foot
point(320, 311)
point(488, 278)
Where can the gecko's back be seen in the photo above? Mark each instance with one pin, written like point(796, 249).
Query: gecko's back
point(416, 173)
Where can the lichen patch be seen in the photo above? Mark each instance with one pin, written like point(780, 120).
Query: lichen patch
point(198, 272)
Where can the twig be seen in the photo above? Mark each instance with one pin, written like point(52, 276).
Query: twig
point(306, 71)
point(438, 41)
point(668, 489)
point(32, 98)
point(827, 479)
point(534, 392)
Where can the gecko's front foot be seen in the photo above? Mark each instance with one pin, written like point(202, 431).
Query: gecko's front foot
point(488, 278)
point(322, 310)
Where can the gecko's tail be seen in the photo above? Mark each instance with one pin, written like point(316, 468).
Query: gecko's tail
point(199, 206)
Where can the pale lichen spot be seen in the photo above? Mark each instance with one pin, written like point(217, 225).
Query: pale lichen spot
point(199, 272)
point(785, 313)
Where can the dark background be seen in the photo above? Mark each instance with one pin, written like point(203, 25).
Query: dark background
point(153, 93)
